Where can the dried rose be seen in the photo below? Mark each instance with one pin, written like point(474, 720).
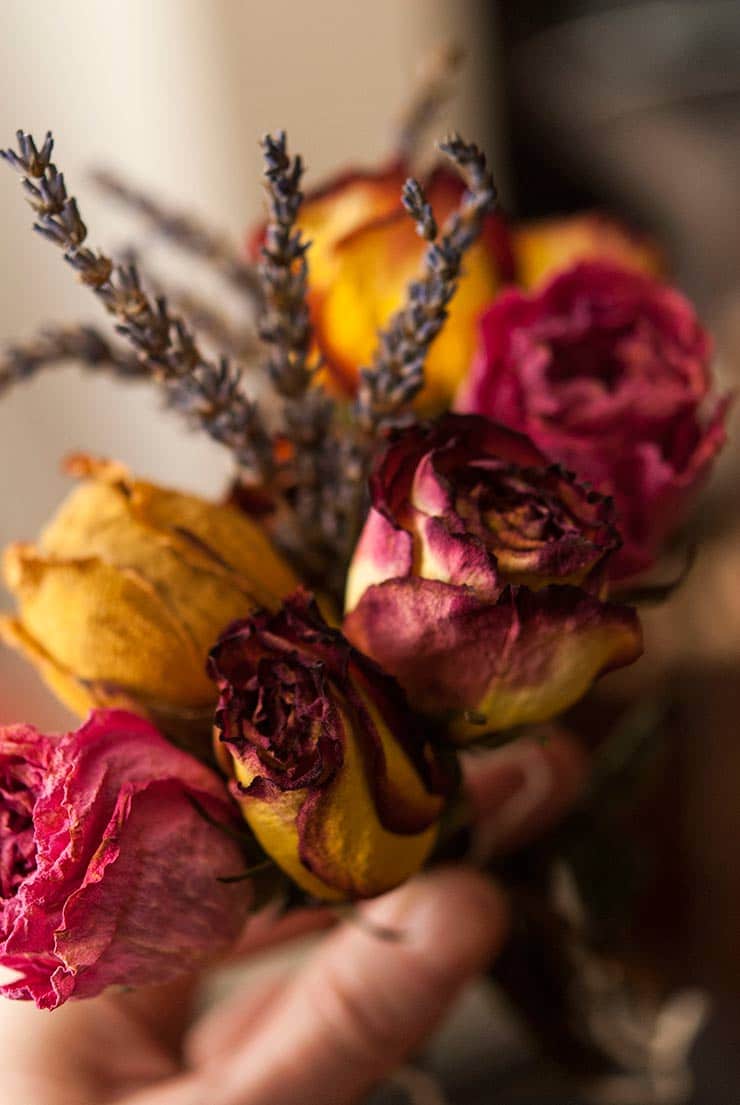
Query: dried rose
point(545, 247)
point(365, 250)
point(477, 577)
point(606, 370)
point(334, 775)
point(108, 872)
point(129, 586)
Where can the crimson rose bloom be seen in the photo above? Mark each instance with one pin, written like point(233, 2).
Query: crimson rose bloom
point(108, 874)
point(478, 575)
point(606, 370)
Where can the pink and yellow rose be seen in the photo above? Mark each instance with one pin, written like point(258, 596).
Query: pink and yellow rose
point(478, 577)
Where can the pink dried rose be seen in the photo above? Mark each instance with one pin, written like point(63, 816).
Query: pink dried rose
point(478, 577)
point(108, 871)
point(607, 370)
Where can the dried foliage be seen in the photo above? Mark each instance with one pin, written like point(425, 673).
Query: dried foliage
point(318, 469)
point(207, 391)
point(311, 470)
point(55, 345)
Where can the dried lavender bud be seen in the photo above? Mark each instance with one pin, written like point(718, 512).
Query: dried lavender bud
point(28, 159)
point(285, 323)
point(313, 471)
point(420, 210)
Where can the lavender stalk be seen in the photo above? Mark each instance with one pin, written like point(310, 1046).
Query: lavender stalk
point(397, 374)
point(308, 412)
point(55, 345)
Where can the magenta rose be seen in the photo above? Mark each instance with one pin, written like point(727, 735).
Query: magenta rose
point(607, 371)
point(478, 578)
point(108, 872)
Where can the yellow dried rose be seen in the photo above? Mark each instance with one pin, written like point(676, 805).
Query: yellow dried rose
point(340, 782)
point(545, 247)
point(128, 588)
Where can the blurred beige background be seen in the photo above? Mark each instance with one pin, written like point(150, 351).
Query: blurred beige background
point(175, 94)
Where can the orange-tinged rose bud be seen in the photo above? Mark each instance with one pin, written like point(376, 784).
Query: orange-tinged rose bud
point(335, 776)
point(545, 247)
point(129, 586)
point(478, 579)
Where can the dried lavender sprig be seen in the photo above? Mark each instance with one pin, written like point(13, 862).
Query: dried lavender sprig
point(54, 345)
point(285, 323)
point(240, 342)
point(208, 392)
point(397, 374)
point(308, 412)
point(432, 90)
point(186, 232)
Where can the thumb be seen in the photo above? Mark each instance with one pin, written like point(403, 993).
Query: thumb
point(363, 1003)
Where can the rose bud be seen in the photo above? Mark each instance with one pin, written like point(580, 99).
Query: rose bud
point(477, 578)
point(606, 371)
point(545, 247)
point(110, 860)
point(336, 777)
point(365, 251)
point(129, 586)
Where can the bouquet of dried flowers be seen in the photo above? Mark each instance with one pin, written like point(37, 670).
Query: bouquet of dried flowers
point(459, 444)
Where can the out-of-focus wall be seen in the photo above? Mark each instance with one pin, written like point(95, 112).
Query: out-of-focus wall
point(175, 94)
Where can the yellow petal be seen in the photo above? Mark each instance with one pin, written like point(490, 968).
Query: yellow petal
point(543, 248)
point(346, 202)
point(355, 855)
point(107, 625)
point(117, 517)
point(576, 656)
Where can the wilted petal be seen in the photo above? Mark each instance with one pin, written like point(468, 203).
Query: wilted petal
point(487, 666)
point(122, 885)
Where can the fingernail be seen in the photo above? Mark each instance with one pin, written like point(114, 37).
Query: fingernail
point(522, 777)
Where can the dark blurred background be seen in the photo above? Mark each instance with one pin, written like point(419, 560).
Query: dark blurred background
point(635, 107)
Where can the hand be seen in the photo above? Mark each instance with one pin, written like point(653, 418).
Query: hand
point(326, 1034)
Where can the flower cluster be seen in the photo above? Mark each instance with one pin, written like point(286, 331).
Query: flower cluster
point(607, 371)
point(477, 427)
